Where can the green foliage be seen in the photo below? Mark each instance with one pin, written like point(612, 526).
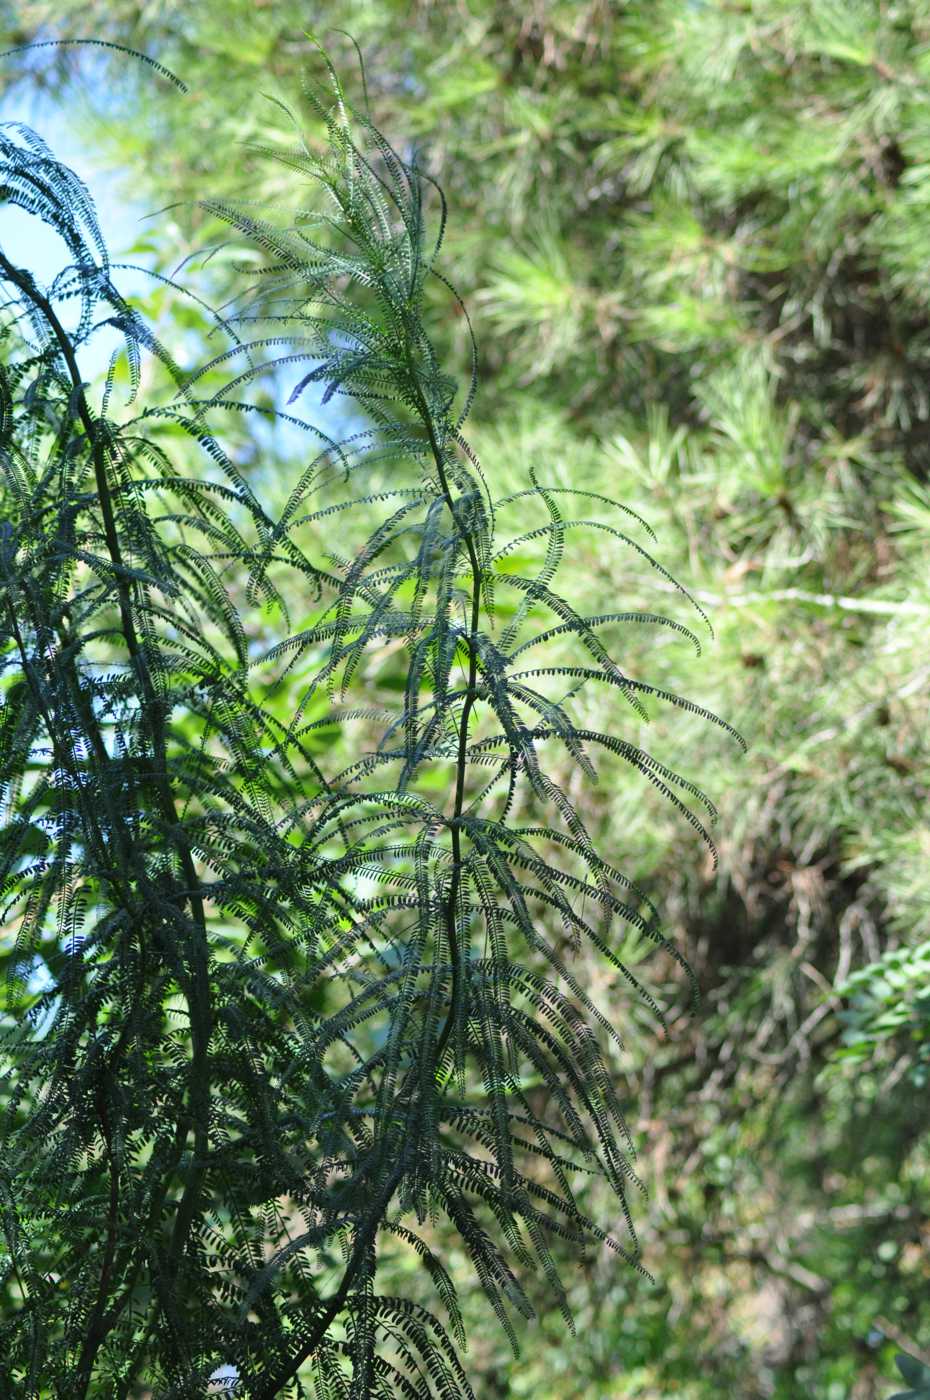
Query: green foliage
point(917, 1376)
point(888, 1006)
point(268, 1018)
point(693, 239)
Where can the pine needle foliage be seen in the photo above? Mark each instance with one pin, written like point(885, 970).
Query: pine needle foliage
point(264, 1023)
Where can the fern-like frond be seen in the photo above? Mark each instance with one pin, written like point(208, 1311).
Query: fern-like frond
point(273, 1004)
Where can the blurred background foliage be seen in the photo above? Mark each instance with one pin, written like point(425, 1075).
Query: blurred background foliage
point(694, 239)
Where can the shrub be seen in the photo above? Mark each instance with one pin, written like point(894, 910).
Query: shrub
point(264, 1020)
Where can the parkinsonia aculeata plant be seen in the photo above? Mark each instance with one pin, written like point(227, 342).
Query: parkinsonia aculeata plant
point(261, 1020)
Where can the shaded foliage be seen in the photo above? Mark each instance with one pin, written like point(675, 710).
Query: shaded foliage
point(264, 1019)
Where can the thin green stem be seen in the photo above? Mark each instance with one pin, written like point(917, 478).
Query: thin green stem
point(461, 764)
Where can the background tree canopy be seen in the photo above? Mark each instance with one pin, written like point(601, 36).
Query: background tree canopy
point(695, 239)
